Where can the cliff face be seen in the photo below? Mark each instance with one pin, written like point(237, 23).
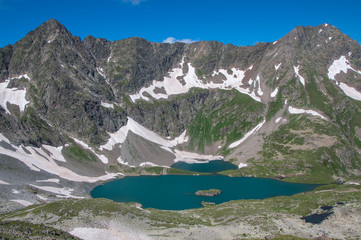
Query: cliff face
point(291, 107)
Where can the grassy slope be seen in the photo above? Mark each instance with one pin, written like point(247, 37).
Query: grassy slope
point(226, 123)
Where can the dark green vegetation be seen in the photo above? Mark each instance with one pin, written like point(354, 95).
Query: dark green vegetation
point(225, 122)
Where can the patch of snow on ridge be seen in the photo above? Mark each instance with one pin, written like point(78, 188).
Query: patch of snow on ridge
point(339, 65)
point(12, 95)
point(38, 160)
point(172, 86)
point(255, 129)
point(274, 93)
point(293, 110)
point(296, 69)
point(278, 119)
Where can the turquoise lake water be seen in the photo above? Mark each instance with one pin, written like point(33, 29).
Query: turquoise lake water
point(210, 167)
point(176, 192)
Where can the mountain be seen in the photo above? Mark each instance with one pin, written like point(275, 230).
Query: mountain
point(78, 112)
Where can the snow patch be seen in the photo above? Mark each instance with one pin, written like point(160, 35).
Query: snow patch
point(101, 72)
point(274, 93)
point(22, 202)
point(4, 183)
point(52, 180)
point(255, 129)
point(241, 165)
point(339, 65)
point(293, 110)
point(320, 31)
point(148, 164)
point(330, 38)
point(350, 91)
point(296, 69)
point(107, 105)
point(14, 191)
point(274, 42)
point(278, 119)
point(61, 192)
point(13, 96)
point(277, 66)
point(172, 86)
point(189, 157)
point(352, 183)
point(259, 91)
point(41, 197)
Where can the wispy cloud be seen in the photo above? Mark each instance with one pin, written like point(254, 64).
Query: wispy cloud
point(133, 2)
point(173, 40)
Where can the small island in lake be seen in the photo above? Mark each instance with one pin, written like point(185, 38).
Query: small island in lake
point(208, 193)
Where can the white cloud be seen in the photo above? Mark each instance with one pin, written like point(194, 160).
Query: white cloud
point(134, 2)
point(173, 40)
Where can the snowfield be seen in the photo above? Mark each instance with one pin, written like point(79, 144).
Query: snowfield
point(171, 85)
point(342, 65)
point(13, 95)
point(37, 159)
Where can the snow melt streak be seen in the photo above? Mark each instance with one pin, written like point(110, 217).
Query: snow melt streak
point(296, 69)
point(293, 110)
point(255, 129)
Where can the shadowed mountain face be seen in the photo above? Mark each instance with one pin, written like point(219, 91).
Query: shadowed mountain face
point(291, 107)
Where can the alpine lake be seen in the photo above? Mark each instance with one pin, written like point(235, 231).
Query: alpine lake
point(177, 192)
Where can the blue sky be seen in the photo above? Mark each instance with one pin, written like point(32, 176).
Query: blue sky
point(229, 21)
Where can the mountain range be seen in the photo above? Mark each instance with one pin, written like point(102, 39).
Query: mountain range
point(75, 113)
